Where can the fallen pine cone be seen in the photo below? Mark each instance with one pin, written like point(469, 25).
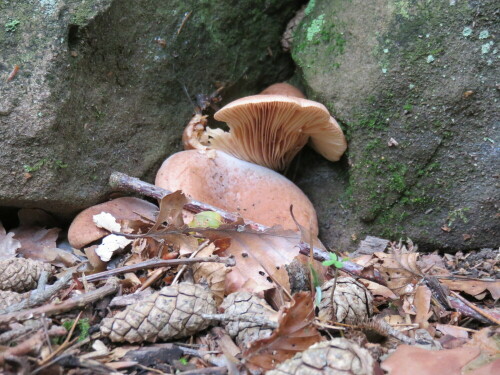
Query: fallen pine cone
point(174, 312)
point(352, 301)
point(335, 357)
point(9, 298)
point(21, 274)
point(249, 305)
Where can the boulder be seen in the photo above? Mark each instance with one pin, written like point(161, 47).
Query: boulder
point(101, 85)
point(415, 87)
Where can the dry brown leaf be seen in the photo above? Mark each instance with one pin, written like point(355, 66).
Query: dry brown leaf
point(213, 273)
point(422, 303)
point(411, 360)
point(454, 331)
point(398, 271)
point(474, 287)
point(36, 238)
point(170, 210)
point(295, 333)
point(8, 245)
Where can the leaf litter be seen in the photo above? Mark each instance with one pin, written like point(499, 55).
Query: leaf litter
point(176, 261)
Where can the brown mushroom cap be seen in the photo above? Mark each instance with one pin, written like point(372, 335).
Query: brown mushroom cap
point(270, 129)
point(256, 193)
point(83, 231)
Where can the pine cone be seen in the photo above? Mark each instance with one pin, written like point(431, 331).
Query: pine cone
point(247, 304)
point(352, 301)
point(9, 298)
point(174, 312)
point(21, 274)
point(335, 357)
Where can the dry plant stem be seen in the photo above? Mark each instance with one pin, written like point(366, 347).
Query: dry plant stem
point(207, 356)
point(66, 342)
point(490, 317)
point(9, 336)
point(265, 323)
point(183, 268)
point(38, 296)
point(27, 346)
point(83, 300)
point(206, 370)
point(155, 263)
point(152, 278)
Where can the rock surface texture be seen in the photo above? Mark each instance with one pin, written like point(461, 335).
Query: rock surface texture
point(101, 86)
point(415, 86)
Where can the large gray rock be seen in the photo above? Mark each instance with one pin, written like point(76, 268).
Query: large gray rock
point(423, 73)
point(100, 86)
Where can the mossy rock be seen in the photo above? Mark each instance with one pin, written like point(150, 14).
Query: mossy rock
point(102, 86)
point(422, 73)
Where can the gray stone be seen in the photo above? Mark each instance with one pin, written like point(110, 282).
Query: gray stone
point(423, 73)
point(100, 86)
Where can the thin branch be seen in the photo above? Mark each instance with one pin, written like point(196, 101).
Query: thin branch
point(33, 341)
point(155, 263)
point(38, 295)
point(83, 300)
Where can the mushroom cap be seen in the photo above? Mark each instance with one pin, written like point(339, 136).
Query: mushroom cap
point(254, 192)
point(267, 129)
point(328, 141)
point(83, 231)
point(285, 89)
point(270, 129)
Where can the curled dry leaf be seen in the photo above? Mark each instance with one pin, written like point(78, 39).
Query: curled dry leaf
point(474, 287)
point(295, 333)
point(400, 272)
point(174, 312)
point(213, 273)
point(335, 357)
point(8, 244)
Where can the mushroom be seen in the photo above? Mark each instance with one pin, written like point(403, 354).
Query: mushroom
point(83, 230)
point(255, 192)
point(269, 129)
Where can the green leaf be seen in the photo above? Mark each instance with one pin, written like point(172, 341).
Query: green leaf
point(333, 261)
point(206, 219)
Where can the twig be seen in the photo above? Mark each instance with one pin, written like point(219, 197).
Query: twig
point(66, 342)
point(12, 335)
point(205, 355)
point(30, 343)
point(205, 371)
point(490, 317)
point(263, 322)
point(83, 300)
point(186, 17)
point(37, 296)
point(155, 263)
point(183, 268)
point(123, 182)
